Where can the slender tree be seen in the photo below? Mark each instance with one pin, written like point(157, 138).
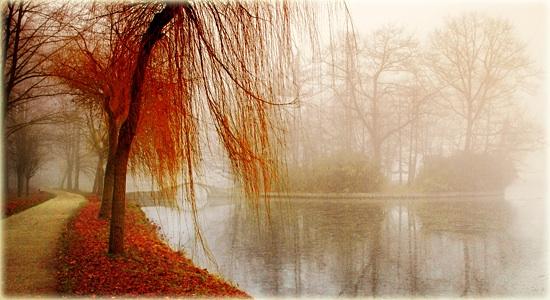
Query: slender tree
point(385, 56)
point(32, 33)
point(96, 66)
point(223, 56)
point(481, 65)
point(27, 156)
point(97, 142)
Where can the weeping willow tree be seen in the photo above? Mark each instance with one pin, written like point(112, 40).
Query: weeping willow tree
point(96, 67)
point(212, 60)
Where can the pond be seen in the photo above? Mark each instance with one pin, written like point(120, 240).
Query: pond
point(339, 247)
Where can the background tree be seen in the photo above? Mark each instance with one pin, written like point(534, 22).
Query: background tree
point(418, 95)
point(25, 155)
point(301, 88)
point(97, 141)
point(32, 33)
point(481, 65)
point(385, 56)
point(66, 145)
point(344, 84)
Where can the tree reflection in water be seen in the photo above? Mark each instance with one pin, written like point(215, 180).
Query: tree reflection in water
point(360, 248)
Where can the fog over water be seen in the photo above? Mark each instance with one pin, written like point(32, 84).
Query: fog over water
point(360, 248)
point(346, 247)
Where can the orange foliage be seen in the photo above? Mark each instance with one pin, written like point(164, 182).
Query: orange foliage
point(217, 62)
point(164, 132)
point(149, 268)
point(98, 67)
point(97, 74)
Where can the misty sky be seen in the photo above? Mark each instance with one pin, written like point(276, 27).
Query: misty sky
point(529, 19)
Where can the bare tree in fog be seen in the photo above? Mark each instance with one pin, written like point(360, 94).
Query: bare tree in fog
point(29, 157)
point(25, 152)
point(481, 65)
point(66, 137)
point(32, 33)
point(385, 55)
point(97, 141)
point(299, 87)
point(418, 94)
point(343, 70)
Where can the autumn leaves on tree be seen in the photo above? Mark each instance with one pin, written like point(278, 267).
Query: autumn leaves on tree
point(157, 72)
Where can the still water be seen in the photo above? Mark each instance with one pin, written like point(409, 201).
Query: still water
point(313, 247)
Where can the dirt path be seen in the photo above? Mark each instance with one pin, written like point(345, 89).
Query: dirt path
point(30, 245)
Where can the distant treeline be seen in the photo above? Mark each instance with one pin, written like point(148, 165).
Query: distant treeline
point(353, 173)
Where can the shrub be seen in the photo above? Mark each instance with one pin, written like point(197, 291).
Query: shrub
point(466, 172)
point(351, 172)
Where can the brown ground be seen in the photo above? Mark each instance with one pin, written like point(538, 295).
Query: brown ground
point(30, 245)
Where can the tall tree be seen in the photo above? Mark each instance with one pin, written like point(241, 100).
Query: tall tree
point(192, 60)
point(233, 51)
point(26, 156)
point(32, 33)
point(178, 64)
point(481, 65)
point(96, 65)
point(97, 142)
point(385, 56)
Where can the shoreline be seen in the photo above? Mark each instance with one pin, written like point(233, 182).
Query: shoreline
point(149, 267)
point(146, 198)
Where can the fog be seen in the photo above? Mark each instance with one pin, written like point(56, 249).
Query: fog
point(325, 105)
point(410, 140)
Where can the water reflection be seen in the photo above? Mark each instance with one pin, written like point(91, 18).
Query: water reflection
point(359, 248)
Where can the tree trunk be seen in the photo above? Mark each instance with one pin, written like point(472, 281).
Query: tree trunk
point(377, 155)
point(108, 188)
point(77, 160)
point(116, 234)
point(70, 174)
point(27, 182)
point(20, 182)
point(129, 127)
point(400, 156)
point(96, 184)
point(412, 158)
point(415, 154)
point(109, 178)
point(99, 176)
point(62, 184)
point(468, 137)
point(374, 134)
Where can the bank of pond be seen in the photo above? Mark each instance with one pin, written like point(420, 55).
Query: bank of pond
point(149, 266)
